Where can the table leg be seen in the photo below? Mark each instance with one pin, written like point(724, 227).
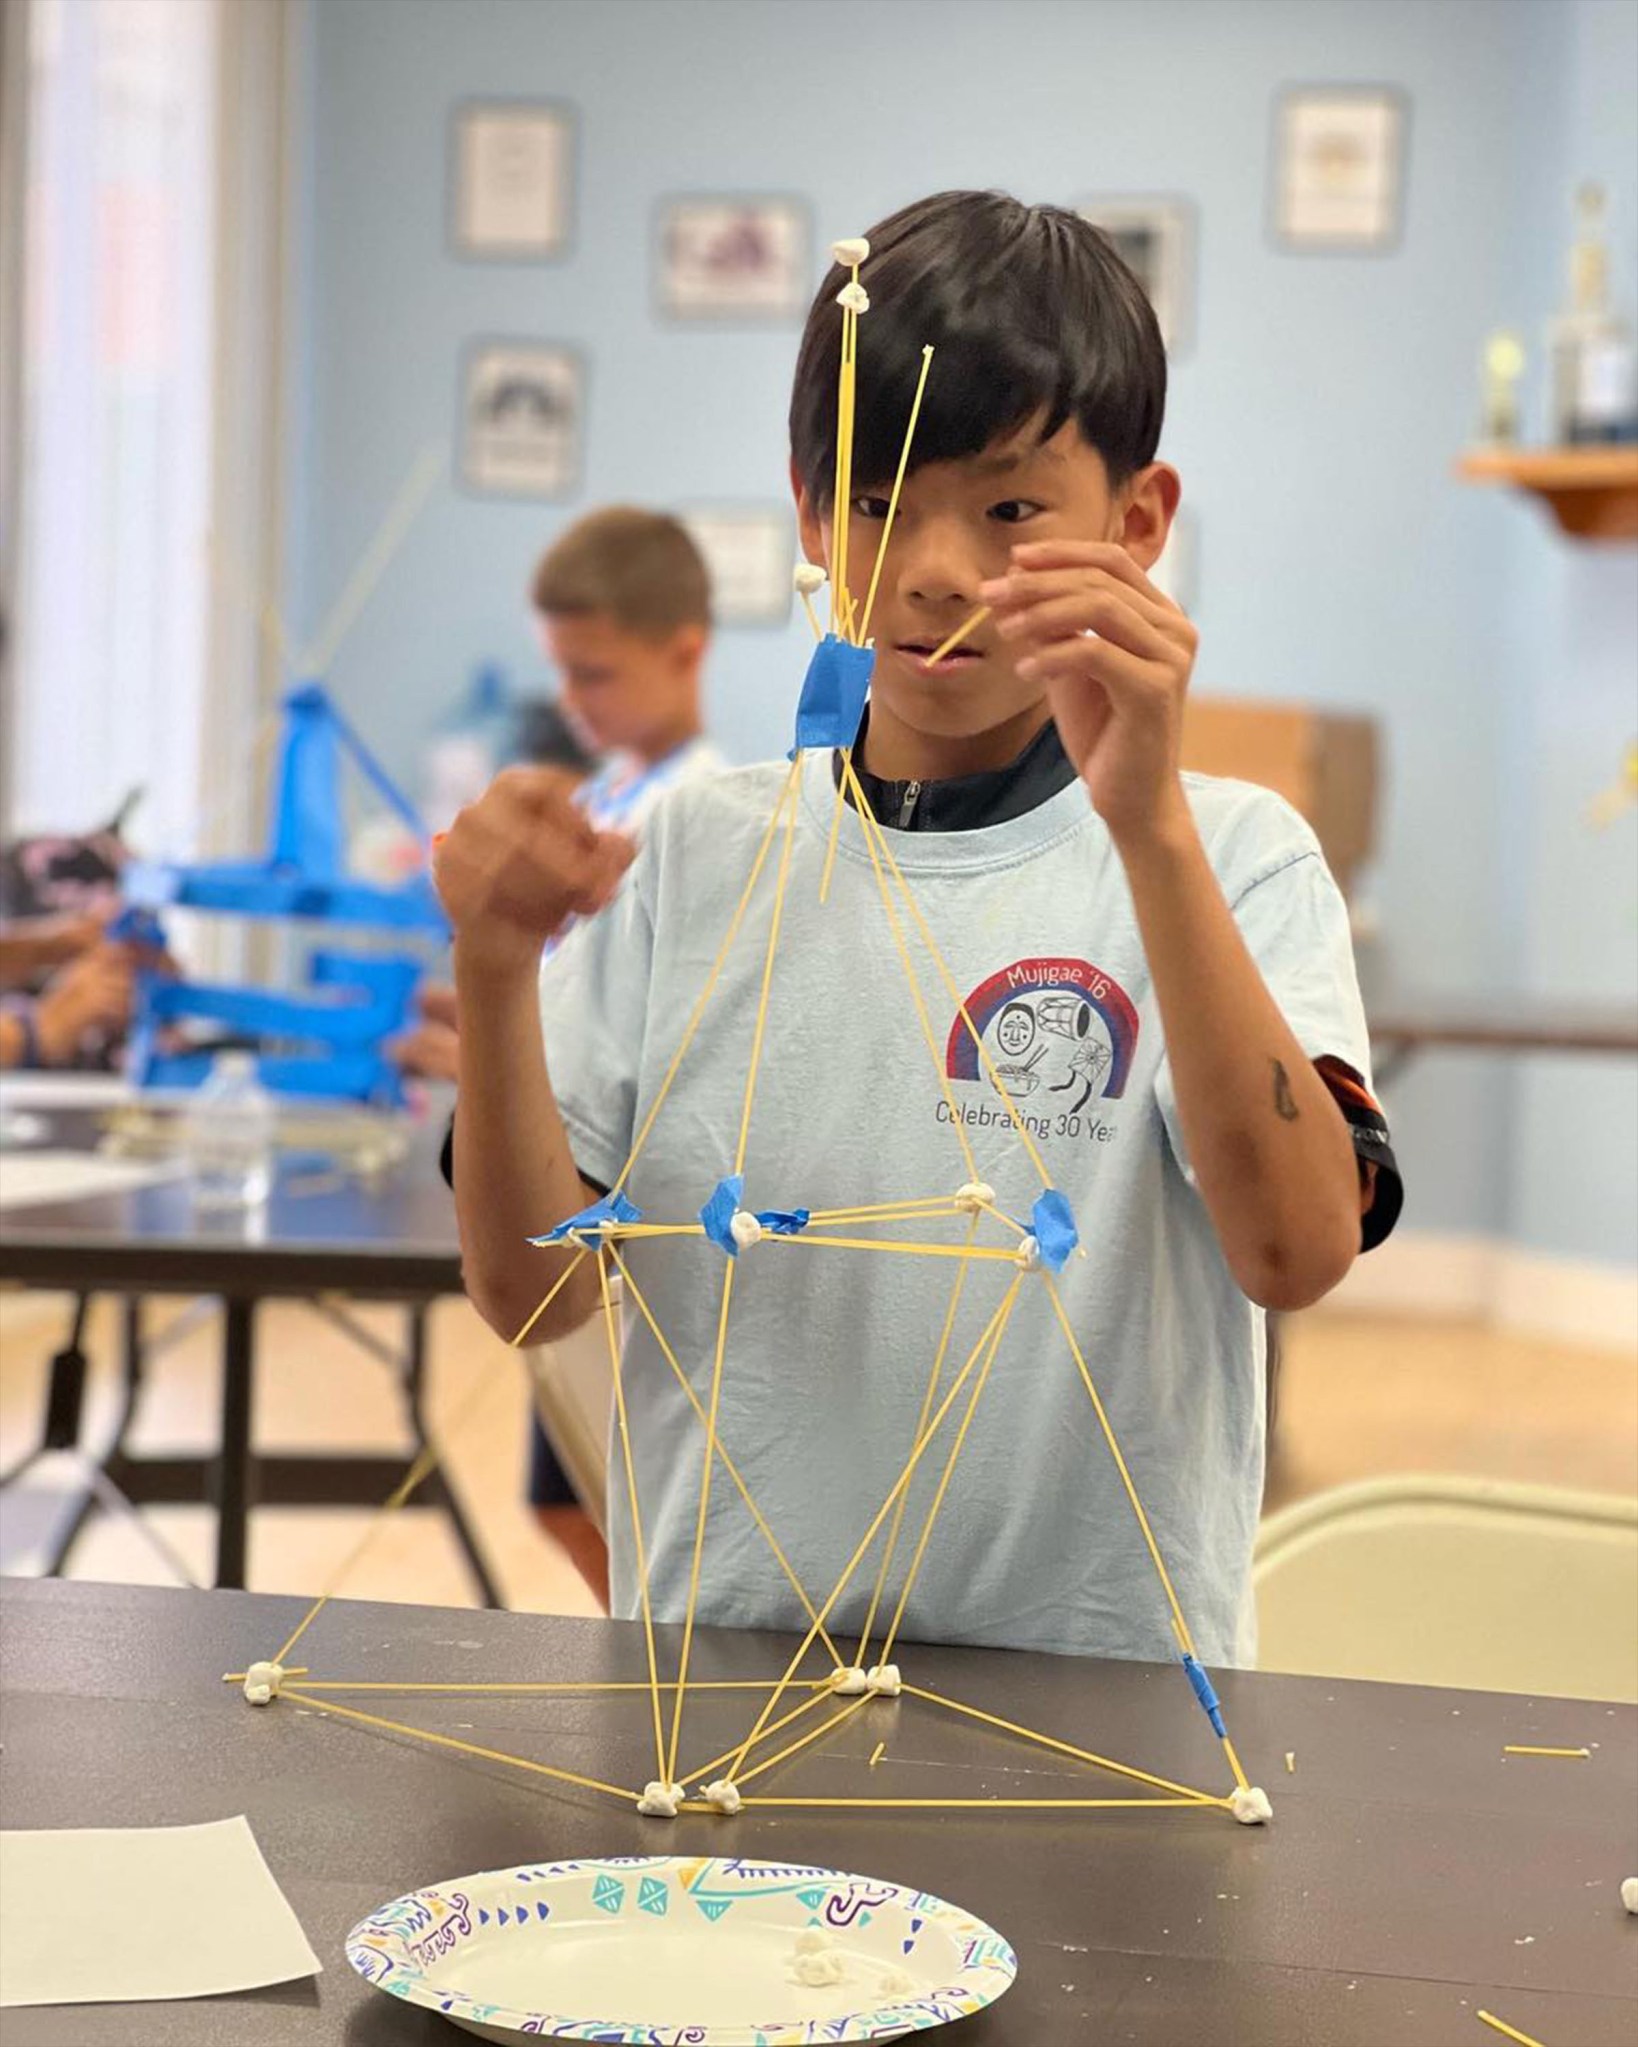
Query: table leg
point(234, 1474)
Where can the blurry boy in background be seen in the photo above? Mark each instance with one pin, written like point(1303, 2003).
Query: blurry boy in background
point(622, 603)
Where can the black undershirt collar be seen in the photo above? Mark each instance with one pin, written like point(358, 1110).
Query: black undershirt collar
point(967, 803)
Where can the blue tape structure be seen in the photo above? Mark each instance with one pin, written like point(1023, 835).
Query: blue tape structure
point(613, 1208)
point(718, 1213)
point(1053, 1224)
point(833, 694)
point(784, 1222)
point(727, 1198)
point(1204, 1693)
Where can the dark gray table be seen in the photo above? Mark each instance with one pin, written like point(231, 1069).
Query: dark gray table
point(1411, 1873)
point(391, 1240)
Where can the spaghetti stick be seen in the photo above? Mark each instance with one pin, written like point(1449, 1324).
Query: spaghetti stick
point(1512, 2032)
point(788, 795)
point(893, 499)
point(1006, 1805)
point(899, 1485)
point(758, 1036)
point(1515, 1749)
point(728, 1463)
point(1082, 1755)
point(949, 646)
point(623, 1426)
point(450, 1741)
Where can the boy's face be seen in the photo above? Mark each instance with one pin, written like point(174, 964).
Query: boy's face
point(956, 525)
point(619, 689)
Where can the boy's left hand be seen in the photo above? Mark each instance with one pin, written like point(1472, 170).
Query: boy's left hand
point(1115, 656)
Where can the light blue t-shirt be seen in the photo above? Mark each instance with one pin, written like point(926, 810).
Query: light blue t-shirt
point(829, 1351)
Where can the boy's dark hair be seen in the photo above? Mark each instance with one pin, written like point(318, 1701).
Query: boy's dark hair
point(1031, 312)
point(639, 568)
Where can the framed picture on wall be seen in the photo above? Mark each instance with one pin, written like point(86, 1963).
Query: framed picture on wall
point(522, 408)
point(1156, 236)
point(1339, 167)
point(750, 551)
point(732, 257)
point(512, 180)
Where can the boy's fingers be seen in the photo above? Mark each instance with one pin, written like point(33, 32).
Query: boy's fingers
point(1107, 555)
point(1094, 610)
point(1025, 587)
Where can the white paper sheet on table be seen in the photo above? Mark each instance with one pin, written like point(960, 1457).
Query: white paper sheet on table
point(114, 1915)
point(28, 1178)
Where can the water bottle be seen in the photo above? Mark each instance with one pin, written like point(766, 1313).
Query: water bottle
point(230, 1135)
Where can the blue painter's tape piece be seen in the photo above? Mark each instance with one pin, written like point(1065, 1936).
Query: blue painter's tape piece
point(833, 694)
point(784, 1222)
point(719, 1212)
point(1204, 1693)
point(613, 1208)
point(1053, 1224)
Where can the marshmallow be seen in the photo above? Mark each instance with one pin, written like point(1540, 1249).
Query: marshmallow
point(897, 1983)
point(818, 1972)
point(850, 1684)
point(1629, 1893)
point(660, 1801)
point(1029, 1254)
point(974, 1195)
point(262, 1682)
point(1250, 1807)
point(854, 249)
point(884, 1679)
point(809, 577)
point(853, 298)
point(816, 1941)
point(724, 1795)
point(745, 1229)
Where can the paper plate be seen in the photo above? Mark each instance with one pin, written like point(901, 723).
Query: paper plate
point(713, 1952)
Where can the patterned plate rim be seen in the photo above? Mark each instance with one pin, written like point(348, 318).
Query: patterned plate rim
point(384, 1967)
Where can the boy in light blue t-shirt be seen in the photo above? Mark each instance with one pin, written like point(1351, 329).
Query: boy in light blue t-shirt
point(1156, 967)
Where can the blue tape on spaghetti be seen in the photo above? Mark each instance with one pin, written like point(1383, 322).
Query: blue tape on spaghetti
point(784, 1222)
point(833, 694)
point(1204, 1693)
point(613, 1208)
point(718, 1213)
point(1053, 1225)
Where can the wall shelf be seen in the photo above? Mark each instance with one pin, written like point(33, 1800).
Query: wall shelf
point(1592, 492)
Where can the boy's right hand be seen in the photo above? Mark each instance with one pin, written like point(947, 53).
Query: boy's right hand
point(516, 865)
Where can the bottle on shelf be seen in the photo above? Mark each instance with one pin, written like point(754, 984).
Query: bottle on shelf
point(230, 1132)
point(1595, 362)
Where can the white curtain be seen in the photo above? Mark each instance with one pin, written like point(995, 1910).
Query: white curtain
point(120, 330)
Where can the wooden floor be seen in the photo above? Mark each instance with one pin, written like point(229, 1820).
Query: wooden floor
point(1360, 1397)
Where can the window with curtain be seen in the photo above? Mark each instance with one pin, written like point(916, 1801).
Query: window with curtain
point(119, 334)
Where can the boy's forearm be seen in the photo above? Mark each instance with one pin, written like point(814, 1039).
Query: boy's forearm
point(1270, 1150)
point(515, 1175)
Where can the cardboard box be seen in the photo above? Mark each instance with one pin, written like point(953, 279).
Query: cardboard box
point(1324, 763)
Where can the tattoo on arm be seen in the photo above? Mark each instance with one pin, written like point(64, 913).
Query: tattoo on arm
point(1285, 1106)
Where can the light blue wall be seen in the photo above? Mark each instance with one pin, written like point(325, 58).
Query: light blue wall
point(1314, 419)
point(1574, 1188)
